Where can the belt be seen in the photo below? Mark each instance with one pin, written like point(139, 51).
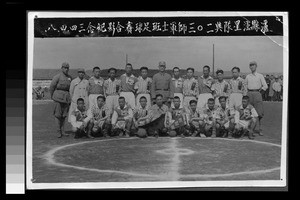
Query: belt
point(253, 90)
point(162, 89)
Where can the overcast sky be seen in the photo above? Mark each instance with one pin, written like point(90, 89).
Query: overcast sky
point(183, 52)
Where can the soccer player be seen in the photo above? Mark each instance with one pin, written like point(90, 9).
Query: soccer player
point(157, 114)
point(95, 87)
point(246, 118)
point(142, 87)
point(190, 88)
point(178, 85)
point(195, 119)
point(204, 82)
point(128, 81)
point(237, 88)
point(79, 89)
point(210, 118)
point(255, 83)
point(59, 92)
point(79, 120)
point(111, 89)
point(162, 84)
point(140, 114)
point(99, 118)
point(176, 119)
point(220, 87)
point(225, 121)
point(122, 119)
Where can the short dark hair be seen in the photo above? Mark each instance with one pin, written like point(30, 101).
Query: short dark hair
point(206, 66)
point(121, 97)
point(192, 101)
point(176, 68)
point(80, 99)
point(158, 95)
point(143, 97)
point(219, 71)
point(96, 68)
point(101, 97)
point(190, 68)
point(177, 97)
point(222, 97)
point(128, 64)
point(211, 99)
point(237, 68)
point(112, 68)
point(245, 97)
point(144, 68)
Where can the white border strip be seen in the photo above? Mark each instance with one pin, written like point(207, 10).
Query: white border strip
point(32, 14)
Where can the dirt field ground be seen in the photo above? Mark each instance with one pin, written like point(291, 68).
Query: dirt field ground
point(153, 159)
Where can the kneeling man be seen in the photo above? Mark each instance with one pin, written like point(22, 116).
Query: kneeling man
point(99, 117)
point(79, 120)
point(122, 118)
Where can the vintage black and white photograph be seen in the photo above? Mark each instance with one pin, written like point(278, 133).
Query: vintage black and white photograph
point(156, 99)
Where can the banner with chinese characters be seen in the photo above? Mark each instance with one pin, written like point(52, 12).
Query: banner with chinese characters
point(158, 26)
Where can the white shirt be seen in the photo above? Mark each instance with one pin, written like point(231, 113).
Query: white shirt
point(255, 81)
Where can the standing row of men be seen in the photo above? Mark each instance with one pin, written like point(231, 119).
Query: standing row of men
point(65, 91)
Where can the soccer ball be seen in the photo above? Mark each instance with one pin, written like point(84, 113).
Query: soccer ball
point(172, 133)
point(142, 133)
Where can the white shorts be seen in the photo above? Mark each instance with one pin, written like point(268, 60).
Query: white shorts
point(112, 102)
point(129, 98)
point(235, 100)
point(202, 100)
point(244, 123)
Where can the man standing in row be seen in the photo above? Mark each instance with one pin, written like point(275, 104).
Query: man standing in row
point(162, 84)
point(190, 88)
point(128, 81)
point(237, 89)
point(111, 89)
point(220, 87)
point(143, 86)
point(178, 85)
point(59, 92)
point(255, 82)
point(204, 83)
point(95, 87)
point(79, 89)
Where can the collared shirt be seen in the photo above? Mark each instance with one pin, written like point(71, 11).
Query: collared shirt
point(220, 89)
point(246, 113)
point(78, 116)
point(224, 114)
point(143, 85)
point(237, 86)
point(96, 85)
point(60, 82)
point(139, 112)
point(156, 111)
point(190, 87)
point(276, 86)
point(121, 114)
point(208, 114)
point(98, 113)
point(255, 81)
point(79, 89)
point(110, 86)
point(205, 84)
point(162, 81)
point(127, 83)
point(178, 84)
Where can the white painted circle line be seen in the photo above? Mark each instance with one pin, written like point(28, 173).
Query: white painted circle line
point(49, 157)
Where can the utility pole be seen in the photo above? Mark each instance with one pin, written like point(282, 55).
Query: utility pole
point(126, 59)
